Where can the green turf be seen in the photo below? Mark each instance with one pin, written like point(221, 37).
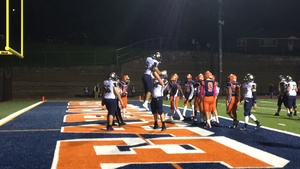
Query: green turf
point(265, 111)
point(9, 107)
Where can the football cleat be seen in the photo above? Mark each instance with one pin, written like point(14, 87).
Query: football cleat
point(276, 114)
point(258, 126)
point(243, 128)
point(163, 127)
point(146, 106)
point(109, 128)
point(236, 123)
point(156, 126)
point(207, 125)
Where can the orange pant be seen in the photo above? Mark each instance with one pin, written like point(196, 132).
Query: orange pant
point(232, 107)
point(215, 104)
point(208, 103)
point(174, 102)
point(125, 101)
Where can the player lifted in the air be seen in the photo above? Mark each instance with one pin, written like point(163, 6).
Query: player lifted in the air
point(151, 70)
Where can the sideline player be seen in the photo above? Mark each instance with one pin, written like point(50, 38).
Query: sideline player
point(110, 93)
point(188, 94)
point(292, 90)
point(282, 94)
point(249, 97)
point(124, 83)
point(151, 69)
point(157, 102)
point(233, 99)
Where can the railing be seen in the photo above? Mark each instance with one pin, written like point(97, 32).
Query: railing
point(94, 56)
point(64, 58)
point(139, 49)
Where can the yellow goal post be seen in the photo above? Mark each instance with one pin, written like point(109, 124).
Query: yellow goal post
point(8, 50)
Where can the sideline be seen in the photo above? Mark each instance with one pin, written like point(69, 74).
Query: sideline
point(251, 124)
point(18, 113)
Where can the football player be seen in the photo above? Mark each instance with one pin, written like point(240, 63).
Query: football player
point(282, 94)
point(199, 100)
point(292, 90)
point(188, 94)
point(233, 99)
point(175, 92)
point(110, 93)
point(250, 100)
point(151, 70)
point(157, 102)
point(124, 92)
point(209, 96)
point(196, 96)
point(215, 117)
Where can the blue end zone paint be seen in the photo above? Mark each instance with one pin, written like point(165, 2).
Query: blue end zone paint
point(30, 149)
point(48, 115)
point(150, 136)
point(170, 166)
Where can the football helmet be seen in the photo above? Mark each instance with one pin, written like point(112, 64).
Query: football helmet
point(189, 76)
point(126, 78)
point(157, 56)
point(213, 78)
point(176, 76)
point(289, 78)
point(173, 77)
point(207, 75)
point(112, 76)
point(282, 78)
point(249, 78)
point(200, 76)
point(232, 78)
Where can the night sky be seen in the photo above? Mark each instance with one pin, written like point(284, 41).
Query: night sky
point(121, 22)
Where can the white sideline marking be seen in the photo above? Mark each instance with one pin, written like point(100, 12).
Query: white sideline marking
point(281, 124)
point(18, 113)
point(272, 129)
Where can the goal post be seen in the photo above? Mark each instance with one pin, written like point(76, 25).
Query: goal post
point(8, 49)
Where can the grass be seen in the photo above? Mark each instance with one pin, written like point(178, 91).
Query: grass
point(265, 111)
point(9, 107)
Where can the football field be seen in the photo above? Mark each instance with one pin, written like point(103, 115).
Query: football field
point(72, 134)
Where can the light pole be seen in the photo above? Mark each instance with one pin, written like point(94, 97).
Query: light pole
point(220, 24)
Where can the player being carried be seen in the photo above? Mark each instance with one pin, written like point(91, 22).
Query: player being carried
point(151, 70)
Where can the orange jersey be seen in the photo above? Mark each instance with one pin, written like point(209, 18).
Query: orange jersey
point(209, 100)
